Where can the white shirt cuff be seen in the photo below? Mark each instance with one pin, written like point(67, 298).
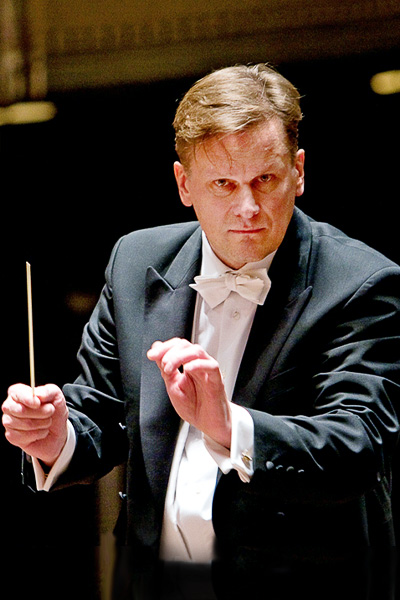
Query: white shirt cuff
point(44, 481)
point(240, 456)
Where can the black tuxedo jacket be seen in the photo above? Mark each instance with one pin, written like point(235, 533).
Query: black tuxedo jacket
point(320, 377)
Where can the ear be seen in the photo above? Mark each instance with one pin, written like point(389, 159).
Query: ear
point(182, 182)
point(299, 166)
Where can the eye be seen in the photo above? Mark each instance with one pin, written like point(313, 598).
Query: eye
point(222, 187)
point(221, 183)
point(263, 181)
point(265, 178)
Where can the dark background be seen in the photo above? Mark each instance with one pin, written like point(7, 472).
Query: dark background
point(103, 167)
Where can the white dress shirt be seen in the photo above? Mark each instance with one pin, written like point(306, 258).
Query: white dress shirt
point(223, 331)
point(187, 533)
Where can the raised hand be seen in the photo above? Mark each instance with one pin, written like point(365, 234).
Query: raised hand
point(36, 423)
point(195, 386)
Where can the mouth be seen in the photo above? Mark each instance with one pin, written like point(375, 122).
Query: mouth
point(245, 231)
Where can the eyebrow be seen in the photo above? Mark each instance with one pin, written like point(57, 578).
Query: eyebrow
point(270, 165)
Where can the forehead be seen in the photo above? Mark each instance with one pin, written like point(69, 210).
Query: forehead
point(260, 146)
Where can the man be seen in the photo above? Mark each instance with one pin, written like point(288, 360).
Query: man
point(246, 368)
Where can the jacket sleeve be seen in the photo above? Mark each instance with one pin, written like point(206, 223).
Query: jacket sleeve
point(341, 444)
point(95, 399)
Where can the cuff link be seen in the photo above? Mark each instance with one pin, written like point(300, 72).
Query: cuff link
point(247, 459)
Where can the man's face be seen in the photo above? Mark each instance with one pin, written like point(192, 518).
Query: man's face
point(243, 188)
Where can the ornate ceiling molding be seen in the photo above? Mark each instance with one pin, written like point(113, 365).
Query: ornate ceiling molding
point(130, 40)
point(116, 32)
point(69, 44)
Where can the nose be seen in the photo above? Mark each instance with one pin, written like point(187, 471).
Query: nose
point(245, 205)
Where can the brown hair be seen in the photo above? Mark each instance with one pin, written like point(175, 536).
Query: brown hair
point(231, 100)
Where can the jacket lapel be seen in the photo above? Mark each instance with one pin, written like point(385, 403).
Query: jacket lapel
point(169, 311)
point(275, 320)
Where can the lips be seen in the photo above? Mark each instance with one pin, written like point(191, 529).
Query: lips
point(247, 231)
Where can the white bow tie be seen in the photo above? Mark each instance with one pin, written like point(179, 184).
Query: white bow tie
point(253, 285)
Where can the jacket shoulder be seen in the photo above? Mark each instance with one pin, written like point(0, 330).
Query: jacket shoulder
point(152, 246)
point(333, 248)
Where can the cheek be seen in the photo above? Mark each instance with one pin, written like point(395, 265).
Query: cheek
point(212, 220)
point(278, 214)
point(279, 206)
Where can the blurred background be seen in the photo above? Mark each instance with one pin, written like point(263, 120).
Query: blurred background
point(88, 92)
